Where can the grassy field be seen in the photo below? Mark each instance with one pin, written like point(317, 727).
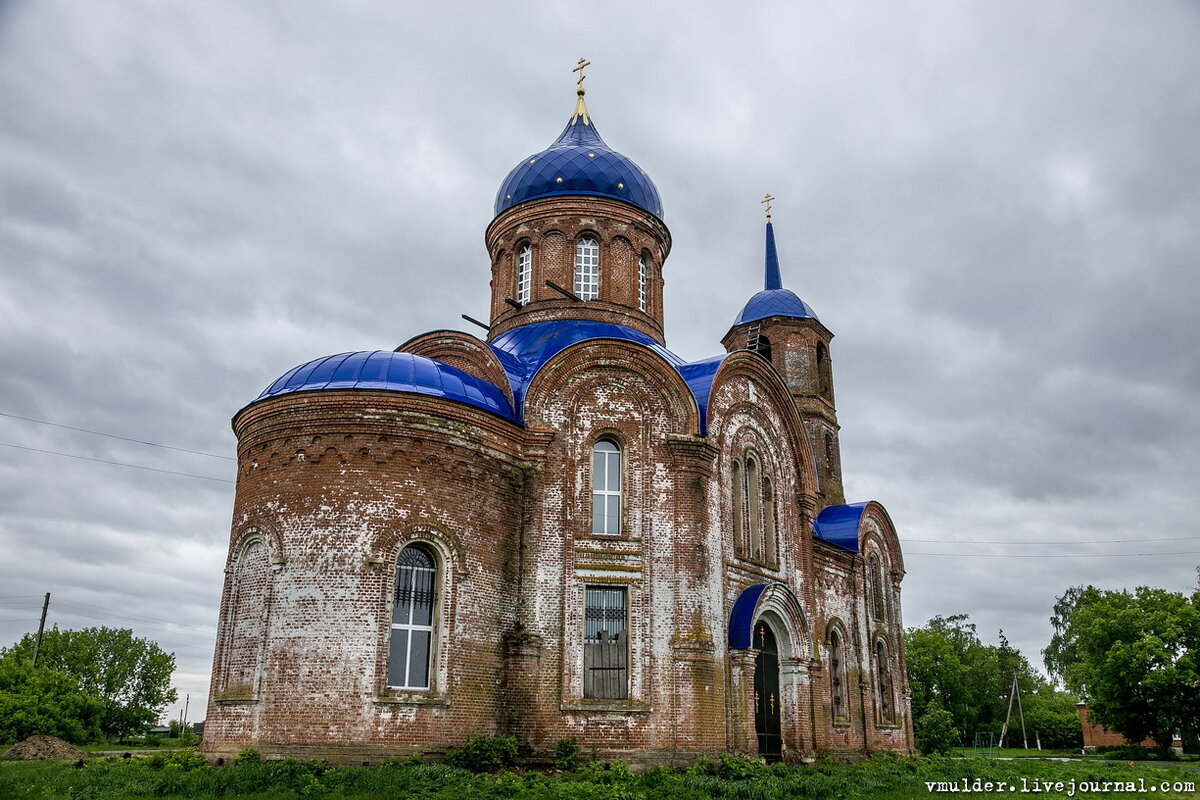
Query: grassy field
point(185, 775)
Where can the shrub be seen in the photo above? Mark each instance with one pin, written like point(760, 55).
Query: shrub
point(934, 730)
point(567, 754)
point(484, 754)
point(1135, 752)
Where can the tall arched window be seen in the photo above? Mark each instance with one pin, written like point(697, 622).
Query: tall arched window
point(412, 619)
point(837, 685)
point(824, 373)
point(738, 492)
point(587, 268)
point(606, 488)
point(753, 492)
point(768, 499)
point(884, 683)
point(643, 281)
point(878, 601)
point(524, 272)
point(246, 624)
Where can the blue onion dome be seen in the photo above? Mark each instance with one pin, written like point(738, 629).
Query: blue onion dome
point(774, 300)
point(394, 372)
point(579, 162)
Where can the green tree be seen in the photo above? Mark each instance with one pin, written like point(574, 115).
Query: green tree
point(131, 676)
point(46, 702)
point(952, 671)
point(1136, 657)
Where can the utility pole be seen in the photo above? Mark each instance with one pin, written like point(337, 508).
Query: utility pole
point(37, 645)
point(183, 720)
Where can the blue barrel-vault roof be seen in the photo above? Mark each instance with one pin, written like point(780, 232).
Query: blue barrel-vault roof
point(521, 351)
point(524, 350)
point(394, 372)
point(774, 300)
point(838, 525)
point(579, 162)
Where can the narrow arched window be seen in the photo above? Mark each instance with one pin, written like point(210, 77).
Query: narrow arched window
point(830, 457)
point(587, 268)
point(738, 491)
point(643, 281)
point(411, 647)
point(606, 488)
point(884, 680)
point(524, 272)
point(878, 601)
point(754, 496)
point(768, 499)
point(824, 373)
point(246, 623)
point(836, 683)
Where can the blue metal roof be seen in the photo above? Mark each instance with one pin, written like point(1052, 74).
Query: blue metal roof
point(396, 372)
point(521, 351)
point(525, 349)
point(774, 300)
point(579, 162)
point(839, 525)
point(741, 618)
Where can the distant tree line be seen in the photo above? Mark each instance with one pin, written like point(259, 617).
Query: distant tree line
point(88, 685)
point(1133, 656)
point(961, 686)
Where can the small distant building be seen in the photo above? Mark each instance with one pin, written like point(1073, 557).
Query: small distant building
point(1096, 735)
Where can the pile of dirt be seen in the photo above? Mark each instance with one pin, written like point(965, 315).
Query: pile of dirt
point(36, 748)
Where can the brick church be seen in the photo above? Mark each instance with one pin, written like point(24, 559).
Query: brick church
point(559, 528)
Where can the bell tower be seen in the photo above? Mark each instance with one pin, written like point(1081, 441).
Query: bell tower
point(578, 234)
point(779, 326)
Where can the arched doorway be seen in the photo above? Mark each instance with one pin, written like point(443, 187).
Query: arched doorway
point(767, 701)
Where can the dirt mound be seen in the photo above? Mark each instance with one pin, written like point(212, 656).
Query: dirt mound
point(38, 747)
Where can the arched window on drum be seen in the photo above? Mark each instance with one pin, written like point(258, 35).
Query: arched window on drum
point(414, 608)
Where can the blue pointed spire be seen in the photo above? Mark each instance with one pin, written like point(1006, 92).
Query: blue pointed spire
point(774, 300)
point(774, 280)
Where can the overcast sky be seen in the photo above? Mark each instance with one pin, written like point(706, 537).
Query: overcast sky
point(994, 206)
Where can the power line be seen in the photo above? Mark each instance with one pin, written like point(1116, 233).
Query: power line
point(116, 463)
point(1054, 555)
point(1095, 541)
point(115, 436)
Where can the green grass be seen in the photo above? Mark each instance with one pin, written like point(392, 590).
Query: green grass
point(184, 775)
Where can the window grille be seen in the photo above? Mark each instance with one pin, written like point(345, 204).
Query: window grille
point(606, 488)
point(524, 272)
point(605, 644)
point(412, 619)
point(587, 269)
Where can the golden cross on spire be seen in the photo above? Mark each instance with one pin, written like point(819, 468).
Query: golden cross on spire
point(767, 198)
point(579, 69)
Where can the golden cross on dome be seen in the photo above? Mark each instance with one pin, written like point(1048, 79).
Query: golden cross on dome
point(767, 198)
point(579, 83)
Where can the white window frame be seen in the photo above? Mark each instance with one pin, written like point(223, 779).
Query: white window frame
point(607, 454)
point(524, 272)
point(587, 268)
point(642, 281)
point(412, 627)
